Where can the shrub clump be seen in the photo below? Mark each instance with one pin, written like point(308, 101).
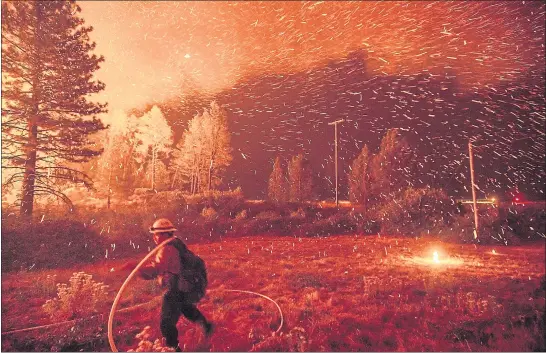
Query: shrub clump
point(146, 345)
point(209, 213)
point(298, 214)
point(156, 200)
point(336, 224)
point(497, 226)
point(295, 340)
point(241, 215)
point(268, 216)
point(413, 209)
point(226, 202)
point(81, 297)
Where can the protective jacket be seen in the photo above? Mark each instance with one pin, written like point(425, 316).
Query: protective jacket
point(167, 268)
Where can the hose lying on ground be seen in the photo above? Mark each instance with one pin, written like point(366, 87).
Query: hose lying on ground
point(135, 271)
point(261, 295)
point(76, 321)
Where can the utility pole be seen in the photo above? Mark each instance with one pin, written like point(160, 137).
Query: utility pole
point(471, 157)
point(335, 142)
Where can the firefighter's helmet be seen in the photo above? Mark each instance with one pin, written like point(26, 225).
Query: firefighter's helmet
point(162, 225)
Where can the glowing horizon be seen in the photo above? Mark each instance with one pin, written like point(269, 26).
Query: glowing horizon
point(158, 50)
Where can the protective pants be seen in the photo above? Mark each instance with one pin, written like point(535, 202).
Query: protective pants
point(174, 305)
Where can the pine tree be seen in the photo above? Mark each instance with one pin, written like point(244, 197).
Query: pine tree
point(277, 183)
point(307, 180)
point(300, 179)
point(391, 169)
point(294, 178)
point(359, 178)
point(47, 118)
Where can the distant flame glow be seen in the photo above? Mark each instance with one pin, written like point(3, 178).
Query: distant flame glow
point(434, 260)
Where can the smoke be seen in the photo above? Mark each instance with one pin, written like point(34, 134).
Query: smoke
point(156, 50)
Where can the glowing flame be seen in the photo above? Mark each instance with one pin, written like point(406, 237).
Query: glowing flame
point(494, 252)
point(435, 262)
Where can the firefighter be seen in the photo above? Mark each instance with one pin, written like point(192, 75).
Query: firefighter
point(183, 275)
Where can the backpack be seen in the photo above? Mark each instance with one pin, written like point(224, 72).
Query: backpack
point(193, 271)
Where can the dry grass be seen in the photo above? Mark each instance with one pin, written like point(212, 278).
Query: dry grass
point(340, 293)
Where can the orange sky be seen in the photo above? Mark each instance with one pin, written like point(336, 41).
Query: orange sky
point(155, 50)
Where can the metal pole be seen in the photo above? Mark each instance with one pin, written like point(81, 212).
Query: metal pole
point(335, 157)
point(471, 156)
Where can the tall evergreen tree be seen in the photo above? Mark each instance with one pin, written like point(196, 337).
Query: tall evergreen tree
point(359, 178)
point(47, 118)
point(300, 179)
point(391, 168)
point(307, 179)
point(277, 183)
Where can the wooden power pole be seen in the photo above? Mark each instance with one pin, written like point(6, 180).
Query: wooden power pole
point(474, 204)
point(335, 157)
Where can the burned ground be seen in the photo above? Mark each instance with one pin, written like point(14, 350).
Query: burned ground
point(342, 293)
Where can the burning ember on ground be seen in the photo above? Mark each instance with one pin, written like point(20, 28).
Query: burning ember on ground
point(438, 260)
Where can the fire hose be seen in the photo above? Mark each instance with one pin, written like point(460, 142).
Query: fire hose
point(135, 271)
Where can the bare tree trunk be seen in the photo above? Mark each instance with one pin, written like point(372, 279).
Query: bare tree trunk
point(198, 181)
point(210, 174)
point(174, 177)
point(300, 197)
point(27, 201)
point(109, 185)
point(29, 177)
point(153, 167)
point(191, 181)
point(192, 178)
point(195, 179)
point(198, 172)
point(128, 163)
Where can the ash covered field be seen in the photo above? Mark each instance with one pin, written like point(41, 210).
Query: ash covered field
point(341, 293)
